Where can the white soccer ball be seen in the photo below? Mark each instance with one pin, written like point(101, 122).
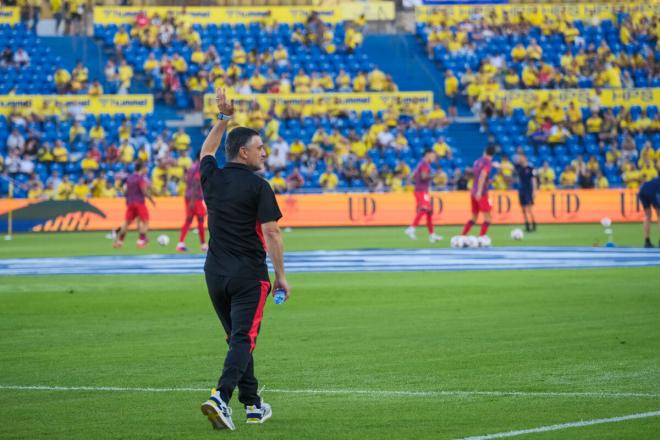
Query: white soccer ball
point(517, 234)
point(606, 222)
point(484, 241)
point(472, 242)
point(163, 240)
point(457, 242)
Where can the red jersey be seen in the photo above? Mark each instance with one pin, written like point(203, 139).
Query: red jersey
point(135, 184)
point(193, 183)
point(421, 184)
point(481, 165)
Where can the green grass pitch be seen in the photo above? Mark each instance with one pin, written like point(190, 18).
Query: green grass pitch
point(364, 335)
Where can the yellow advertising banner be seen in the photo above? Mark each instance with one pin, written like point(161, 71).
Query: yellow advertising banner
point(9, 15)
point(581, 97)
point(215, 15)
point(353, 209)
point(335, 101)
point(376, 10)
point(576, 10)
point(372, 10)
point(111, 104)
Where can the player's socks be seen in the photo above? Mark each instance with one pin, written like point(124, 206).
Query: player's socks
point(184, 232)
point(418, 219)
point(647, 243)
point(534, 227)
point(527, 228)
point(121, 236)
point(467, 227)
point(143, 237)
point(484, 228)
point(429, 223)
point(200, 228)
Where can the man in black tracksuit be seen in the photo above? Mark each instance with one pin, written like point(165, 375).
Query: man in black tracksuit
point(243, 216)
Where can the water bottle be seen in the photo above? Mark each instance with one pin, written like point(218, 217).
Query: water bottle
point(279, 296)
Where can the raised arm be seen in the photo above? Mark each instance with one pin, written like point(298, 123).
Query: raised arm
point(226, 109)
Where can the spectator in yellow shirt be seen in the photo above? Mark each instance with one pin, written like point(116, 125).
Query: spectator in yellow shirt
point(60, 153)
point(442, 149)
point(437, 117)
point(97, 132)
point(568, 177)
point(301, 82)
point(198, 56)
point(126, 152)
point(89, 163)
point(81, 189)
point(601, 181)
point(360, 83)
point(376, 80)
point(329, 179)
point(518, 53)
point(77, 132)
point(125, 77)
point(65, 190)
point(547, 177)
point(62, 80)
point(95, 89)
point(121, 40)
point(238, 55)
point(181, 140)
point(278, 183)
point(631, 177)
point(594, 123)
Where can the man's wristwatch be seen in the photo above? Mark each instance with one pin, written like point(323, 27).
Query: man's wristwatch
point(223, 117)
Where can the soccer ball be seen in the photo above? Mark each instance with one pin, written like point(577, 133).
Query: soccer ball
point(457, 242)
point(484, 241)
point(163, 240)
point(606, 222)
point(517, 234)
point(471, 242)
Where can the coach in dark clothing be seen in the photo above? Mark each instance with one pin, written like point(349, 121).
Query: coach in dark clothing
point(243, 216)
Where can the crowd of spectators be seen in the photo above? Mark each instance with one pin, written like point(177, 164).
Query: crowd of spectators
point(543, 51)
point(182, 60)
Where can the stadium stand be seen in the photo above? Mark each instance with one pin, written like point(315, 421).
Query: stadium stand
point(182, 62)
point(582, 147)
point(24, 62)
point(543, 51)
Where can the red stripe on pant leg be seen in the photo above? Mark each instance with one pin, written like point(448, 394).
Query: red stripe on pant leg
point(256, 321)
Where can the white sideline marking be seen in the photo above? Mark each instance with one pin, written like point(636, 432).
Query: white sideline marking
point(377, 393)
point(564, 426)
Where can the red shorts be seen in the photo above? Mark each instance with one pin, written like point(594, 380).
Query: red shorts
point(423, 200)
point(198, 209)
point(481, 205)
point(137, 210)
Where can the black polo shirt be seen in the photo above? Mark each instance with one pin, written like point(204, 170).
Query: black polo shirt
point(238, 203)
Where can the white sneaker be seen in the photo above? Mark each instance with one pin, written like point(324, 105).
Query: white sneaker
point(258, 414)
point(205, 247)
point(410, 232)
point(181, 247)
point(218, 413)
point(434, 237)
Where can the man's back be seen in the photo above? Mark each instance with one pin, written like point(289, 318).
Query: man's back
point(134, 188)
point(236, 199)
